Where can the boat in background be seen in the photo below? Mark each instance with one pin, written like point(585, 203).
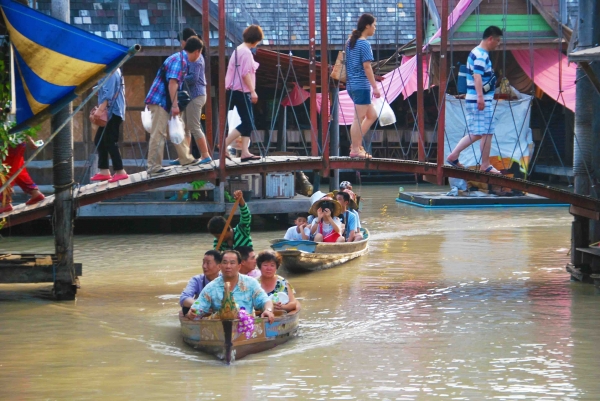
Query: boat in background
point(308, 256)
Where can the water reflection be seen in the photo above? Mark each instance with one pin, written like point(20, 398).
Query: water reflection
point(461, 304)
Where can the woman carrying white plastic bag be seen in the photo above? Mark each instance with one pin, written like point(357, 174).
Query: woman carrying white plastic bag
point(384, 112)
point(176, 130)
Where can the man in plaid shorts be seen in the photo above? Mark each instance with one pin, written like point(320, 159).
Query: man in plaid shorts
point(480, 94)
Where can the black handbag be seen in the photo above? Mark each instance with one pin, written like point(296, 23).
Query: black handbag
point(490, 84)
point(183, 96)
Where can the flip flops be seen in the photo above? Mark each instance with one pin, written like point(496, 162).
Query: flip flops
point(492, 170)
point(361, 154)
point(454, 163)
point(247, 159)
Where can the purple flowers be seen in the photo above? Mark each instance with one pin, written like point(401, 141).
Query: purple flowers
point(246, 323)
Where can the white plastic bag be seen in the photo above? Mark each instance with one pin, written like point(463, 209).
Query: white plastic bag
point(458, 183)
point(233, 119)
point(384, 111)
point(147, 119)
point(176, 130)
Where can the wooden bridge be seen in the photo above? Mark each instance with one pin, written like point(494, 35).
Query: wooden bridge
point(97, 192)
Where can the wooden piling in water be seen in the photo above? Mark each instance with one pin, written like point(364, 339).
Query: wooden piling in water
point(65, 279)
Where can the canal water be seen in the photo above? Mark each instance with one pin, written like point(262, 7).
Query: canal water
point(449, 304)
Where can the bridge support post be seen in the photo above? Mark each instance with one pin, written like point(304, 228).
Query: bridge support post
point(442, 97)
point(580, 229)
point(65, 279)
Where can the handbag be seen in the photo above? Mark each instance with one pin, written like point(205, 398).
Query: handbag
point(102, 119)
point(339, 69)
point(183, 96)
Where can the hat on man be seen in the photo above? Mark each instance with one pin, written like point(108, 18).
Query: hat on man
point(318, 198)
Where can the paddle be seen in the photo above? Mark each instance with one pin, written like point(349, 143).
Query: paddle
point(222, 237)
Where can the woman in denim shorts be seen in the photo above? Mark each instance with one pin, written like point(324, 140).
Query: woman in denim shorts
point(360, 80)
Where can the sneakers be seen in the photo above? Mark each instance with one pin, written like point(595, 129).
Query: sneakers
point(158, 172)
point(35, 199)
point(174, 162)
point(6, 209)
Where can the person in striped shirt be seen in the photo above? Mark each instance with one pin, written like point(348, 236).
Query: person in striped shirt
point(237, 236)
point(360, 80)
point(479, 100)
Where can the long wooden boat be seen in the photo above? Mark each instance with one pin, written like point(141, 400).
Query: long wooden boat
point(308, 256)
point(220, 337)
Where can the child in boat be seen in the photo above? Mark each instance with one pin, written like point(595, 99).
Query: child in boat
point(326, 227)
point(300, 231)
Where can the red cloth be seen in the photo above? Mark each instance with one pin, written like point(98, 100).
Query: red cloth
point(296, 97)
point(15, 159)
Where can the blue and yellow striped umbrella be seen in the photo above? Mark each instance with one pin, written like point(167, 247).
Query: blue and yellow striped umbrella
point(54, 61)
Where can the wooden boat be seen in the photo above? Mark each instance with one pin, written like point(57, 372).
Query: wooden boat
point(307, 256)
point(220, 337)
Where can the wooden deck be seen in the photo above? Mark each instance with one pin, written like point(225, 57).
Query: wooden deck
point(141, 182)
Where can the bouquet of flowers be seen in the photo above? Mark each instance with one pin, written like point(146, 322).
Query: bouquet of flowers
point(246, 323)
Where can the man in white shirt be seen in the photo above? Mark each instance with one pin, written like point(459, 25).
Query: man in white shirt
point(300, 231)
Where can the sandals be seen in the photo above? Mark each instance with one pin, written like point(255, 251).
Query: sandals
point(361, 154)
point(247, 159)
point(454, 163)
point(492, 170)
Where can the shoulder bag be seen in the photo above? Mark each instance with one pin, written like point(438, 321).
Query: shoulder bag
point(183, 96)
point(101, 119)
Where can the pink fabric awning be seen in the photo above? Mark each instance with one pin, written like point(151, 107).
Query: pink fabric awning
point(551, 73)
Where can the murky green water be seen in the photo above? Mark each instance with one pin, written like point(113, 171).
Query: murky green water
point(452, 304)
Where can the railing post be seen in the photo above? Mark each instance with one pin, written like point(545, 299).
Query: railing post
point(334, 182)
point(222, 97)
point(312, 71)
point(420, 94)
point(208, 109)
point(324, 90)
point(442, 94)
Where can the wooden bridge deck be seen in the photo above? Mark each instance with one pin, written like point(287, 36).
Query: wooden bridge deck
point(140, 182)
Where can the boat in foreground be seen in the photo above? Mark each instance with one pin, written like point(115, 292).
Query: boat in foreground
point(307, 256)
point(221, 337)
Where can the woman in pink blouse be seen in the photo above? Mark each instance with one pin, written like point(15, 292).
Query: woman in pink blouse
point(240, 82)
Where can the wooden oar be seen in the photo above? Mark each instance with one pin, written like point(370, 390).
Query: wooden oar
point(222, 237)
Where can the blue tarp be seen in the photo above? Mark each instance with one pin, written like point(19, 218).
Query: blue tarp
point(53, 60)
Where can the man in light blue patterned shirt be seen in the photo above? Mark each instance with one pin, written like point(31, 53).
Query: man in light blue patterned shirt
point(479, 101)
point(247, 292)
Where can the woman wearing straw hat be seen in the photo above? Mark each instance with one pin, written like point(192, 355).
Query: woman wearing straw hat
point(326, 227)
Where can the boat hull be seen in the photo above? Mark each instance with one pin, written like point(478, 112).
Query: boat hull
point(221, 339)
point(325, 255)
